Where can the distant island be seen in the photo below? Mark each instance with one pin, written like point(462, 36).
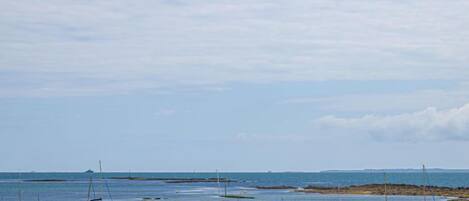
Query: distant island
point(409, 170)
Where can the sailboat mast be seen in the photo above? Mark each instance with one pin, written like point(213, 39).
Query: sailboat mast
point(338, 192)
point(105, 180)
point(424, 184)
point(218, 182)
point(225, 188)
point(89, 188)
point(100, 169)
point(385, 187)
point(20, 192)
point(427, 182)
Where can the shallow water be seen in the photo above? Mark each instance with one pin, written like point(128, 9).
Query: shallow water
point(76, 186)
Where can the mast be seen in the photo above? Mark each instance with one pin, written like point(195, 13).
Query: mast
point(20, 190)
point(225, 188)
point(338, 192)
point(424, 184)
point(427, 182)
point(218, 182)
point(385, 187)
point(100, 169)
point(89, 188)
point(105, 180)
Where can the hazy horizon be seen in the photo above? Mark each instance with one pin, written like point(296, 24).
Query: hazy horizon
point(389, 170)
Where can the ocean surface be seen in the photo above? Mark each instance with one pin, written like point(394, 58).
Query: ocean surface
point(15, 186)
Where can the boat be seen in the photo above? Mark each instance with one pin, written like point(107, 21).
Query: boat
point(91, 187)
point(91, 190)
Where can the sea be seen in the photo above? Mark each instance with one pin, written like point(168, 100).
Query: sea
point(75, 186)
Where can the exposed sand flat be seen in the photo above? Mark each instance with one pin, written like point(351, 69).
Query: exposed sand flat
point(391, 189)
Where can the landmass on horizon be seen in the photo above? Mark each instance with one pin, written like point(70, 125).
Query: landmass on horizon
point(391, 170)
point(404, 170)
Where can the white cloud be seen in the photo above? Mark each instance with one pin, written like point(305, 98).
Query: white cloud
point(426, 125)
point(147, 44)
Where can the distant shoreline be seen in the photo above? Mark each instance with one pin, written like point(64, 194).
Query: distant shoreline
point(403, 170)
point(410, 170)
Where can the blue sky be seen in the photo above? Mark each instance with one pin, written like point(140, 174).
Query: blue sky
point(234, 86)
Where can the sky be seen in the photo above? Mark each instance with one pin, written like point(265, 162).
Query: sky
point(243, 85)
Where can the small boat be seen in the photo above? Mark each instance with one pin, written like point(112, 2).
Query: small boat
point(91, 190)
point(91, 187)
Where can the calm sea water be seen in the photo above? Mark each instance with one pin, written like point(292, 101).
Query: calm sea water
point(12, 185)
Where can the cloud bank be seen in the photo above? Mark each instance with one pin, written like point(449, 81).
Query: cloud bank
point(426, 125)
point(126, 46)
